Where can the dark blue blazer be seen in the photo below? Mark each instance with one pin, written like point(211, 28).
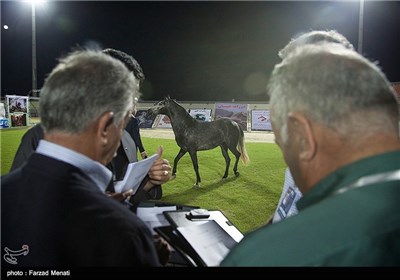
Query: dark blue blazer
point(65, 220)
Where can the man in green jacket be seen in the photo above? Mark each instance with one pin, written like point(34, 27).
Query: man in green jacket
point(335, 118)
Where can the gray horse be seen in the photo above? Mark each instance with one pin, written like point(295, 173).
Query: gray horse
point(193, 135)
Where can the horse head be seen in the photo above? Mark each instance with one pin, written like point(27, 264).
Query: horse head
point(159, 108)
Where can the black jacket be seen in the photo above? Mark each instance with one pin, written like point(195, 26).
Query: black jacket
point(65, 220)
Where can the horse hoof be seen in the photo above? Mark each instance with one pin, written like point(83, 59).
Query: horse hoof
point(237, 174)
point(196, 186)
point(173, 176)
point(223, 178)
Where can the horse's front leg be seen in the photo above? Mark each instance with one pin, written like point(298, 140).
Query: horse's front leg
point(193, 155)
point(224, 150)
point(177, 158)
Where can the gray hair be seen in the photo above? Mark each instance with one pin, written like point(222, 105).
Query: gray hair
point(315, 37)
point(82, 87)
point(334, 86)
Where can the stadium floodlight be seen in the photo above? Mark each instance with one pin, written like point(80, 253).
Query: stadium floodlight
point(34, 71)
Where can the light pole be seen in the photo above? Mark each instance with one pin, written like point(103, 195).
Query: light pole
point(34, 65)
point(360, 27)
point(34, 72)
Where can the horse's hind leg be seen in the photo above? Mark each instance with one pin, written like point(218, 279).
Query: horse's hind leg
point(177, 158)
point(224, 150)
point(193, 155)
point(237, 155)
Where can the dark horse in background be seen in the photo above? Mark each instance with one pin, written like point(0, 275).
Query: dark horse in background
point(192, 135)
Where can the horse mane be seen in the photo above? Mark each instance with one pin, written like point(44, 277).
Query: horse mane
point(179, 108)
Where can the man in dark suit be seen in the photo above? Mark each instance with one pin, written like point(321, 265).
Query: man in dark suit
point(29, 142)
point(54, 211)
point(127, 153)
point(159, 173)
point(133, 128)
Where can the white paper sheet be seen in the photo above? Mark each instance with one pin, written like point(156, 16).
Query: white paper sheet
point(209, 240)
point(134, 175)
point(153, 216)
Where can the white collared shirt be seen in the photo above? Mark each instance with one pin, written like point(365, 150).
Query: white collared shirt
point(100, 174)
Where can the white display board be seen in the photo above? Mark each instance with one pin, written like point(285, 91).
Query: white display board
point(18, 110)
point(260, 120)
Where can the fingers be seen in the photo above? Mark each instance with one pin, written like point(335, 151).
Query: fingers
point(159, 177)
point(163, 249)
point(160, 166)
point(127, 193)
point(118, 196)
point(160, 174)
point(160, 151)
point(143, 154)
point(160, 171)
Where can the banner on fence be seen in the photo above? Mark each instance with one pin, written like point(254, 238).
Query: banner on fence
point(201, 114)
point(144, 120)
point(260, 120)
point(236, 112)
point(18, 110)
point(163, 122)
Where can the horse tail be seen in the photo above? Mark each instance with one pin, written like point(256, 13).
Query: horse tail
point(242, 148)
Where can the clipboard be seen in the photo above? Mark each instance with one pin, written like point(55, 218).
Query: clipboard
point(180, 218)
point(181, 223)
point(180, 245)
point(157, 203)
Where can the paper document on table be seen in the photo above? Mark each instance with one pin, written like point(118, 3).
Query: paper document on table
point(220, 219)
point(153, 216)
point(209, 240)
point(134, 175)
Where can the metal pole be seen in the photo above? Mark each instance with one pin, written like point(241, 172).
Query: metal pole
point(360, 27)
point(34, 79)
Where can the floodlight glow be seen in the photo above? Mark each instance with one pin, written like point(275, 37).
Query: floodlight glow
point(5, 26)
point(34, 2)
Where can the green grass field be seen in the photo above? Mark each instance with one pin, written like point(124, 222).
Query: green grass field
point(248, 200)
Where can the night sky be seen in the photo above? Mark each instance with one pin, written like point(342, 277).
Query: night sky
point(192, 51)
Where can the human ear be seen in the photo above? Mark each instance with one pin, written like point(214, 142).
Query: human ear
point(302, 131)
point(104, 123)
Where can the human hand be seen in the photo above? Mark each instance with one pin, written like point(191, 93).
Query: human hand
point(160, 171)
point(143, 154)
point(163, 249)
point(120, 196)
